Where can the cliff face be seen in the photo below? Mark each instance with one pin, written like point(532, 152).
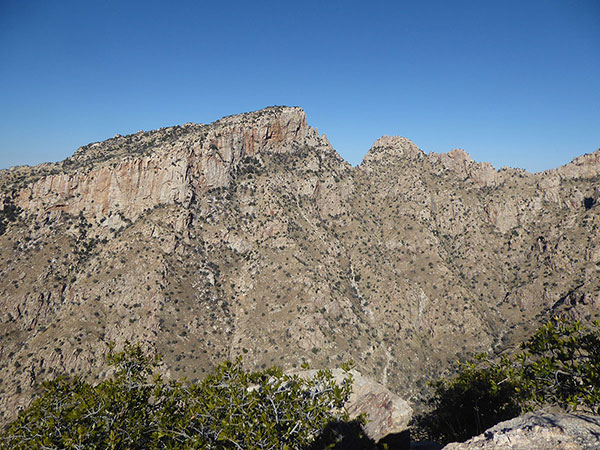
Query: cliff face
point(165, 167)
point(251, 236)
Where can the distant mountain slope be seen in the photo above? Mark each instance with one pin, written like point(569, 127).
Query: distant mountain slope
point(251, 236)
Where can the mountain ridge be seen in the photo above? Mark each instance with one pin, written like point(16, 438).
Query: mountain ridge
point(252, 237)
point(577, 160)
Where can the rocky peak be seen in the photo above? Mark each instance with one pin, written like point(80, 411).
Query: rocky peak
point(459, 161)
point(388, 149)
point(584, 166)
point(277, 128)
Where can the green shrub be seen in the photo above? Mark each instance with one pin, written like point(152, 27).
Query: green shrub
point(559, 366)
point(138, 409)
point(478, 397)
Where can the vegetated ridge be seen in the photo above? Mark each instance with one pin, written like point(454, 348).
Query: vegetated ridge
point(252, 237)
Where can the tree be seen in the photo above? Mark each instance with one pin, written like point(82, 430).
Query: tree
point(560, 365)
point(137, 409)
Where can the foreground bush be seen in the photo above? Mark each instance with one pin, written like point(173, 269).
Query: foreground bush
point(138, 409)
point(558, 366)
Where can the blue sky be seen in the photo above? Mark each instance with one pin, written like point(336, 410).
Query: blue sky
point(515, 83)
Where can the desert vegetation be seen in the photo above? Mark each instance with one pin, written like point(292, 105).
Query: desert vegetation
point(558, 366)
point(136, 408)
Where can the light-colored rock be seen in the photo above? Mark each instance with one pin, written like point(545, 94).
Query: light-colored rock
point(386, 412)
point(584, 166)
point(459, 161)
point(538, 431)
point(392, 147)
point(204, 158)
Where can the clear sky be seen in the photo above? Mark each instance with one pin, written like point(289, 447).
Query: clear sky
point(514, 83)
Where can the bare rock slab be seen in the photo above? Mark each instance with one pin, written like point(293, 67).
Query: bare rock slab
point(540, 431)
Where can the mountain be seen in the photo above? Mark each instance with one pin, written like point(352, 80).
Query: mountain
point(252, 237)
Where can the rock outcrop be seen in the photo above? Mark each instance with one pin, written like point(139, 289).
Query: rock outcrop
point(386, 412)
point(459, 161)
point(387, 149)
point(539, 431)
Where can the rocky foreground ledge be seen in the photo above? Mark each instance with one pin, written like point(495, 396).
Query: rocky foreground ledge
point(537, 430)
point(389, 418)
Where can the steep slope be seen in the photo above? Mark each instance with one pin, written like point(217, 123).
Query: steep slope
point(251, 236)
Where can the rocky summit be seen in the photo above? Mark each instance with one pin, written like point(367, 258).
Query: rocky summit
point(252, 237)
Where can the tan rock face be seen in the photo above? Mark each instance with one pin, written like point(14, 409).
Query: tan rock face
point(205, 158)
point(585, 166)
point(128, 188)
point(459, 161)
point(251, 237)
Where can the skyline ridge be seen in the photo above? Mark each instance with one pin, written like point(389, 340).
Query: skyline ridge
point(298, 107)
point(513, 83)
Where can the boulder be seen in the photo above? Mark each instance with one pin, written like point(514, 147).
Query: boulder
point(387, 413)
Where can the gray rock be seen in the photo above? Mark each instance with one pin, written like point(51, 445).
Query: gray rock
point(540, 431)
